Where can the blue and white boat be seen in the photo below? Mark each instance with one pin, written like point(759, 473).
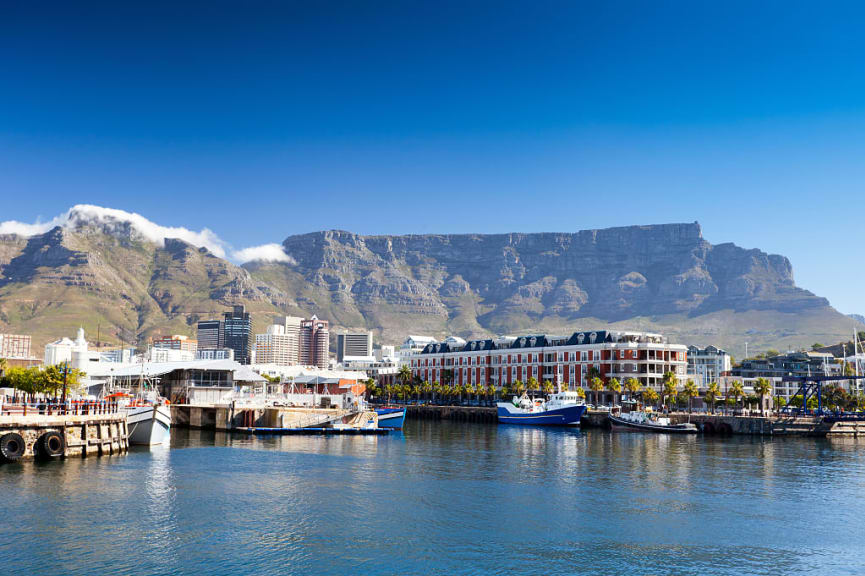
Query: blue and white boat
point(562, 409)
point(392, 418)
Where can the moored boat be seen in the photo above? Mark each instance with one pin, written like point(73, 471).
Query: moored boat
point(390, 417)
point(649, 422)
point(148, 425)
point(562, 409)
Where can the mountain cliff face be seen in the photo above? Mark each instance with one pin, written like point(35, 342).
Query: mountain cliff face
point(103, 272)
point(115, 281)
point(665, 277)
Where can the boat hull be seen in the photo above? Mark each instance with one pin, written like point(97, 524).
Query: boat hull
point(619, 424)
point(567, 416)
point(148, 425)
point(391, 418)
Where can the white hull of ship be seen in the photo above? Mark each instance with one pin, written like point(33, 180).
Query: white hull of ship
point(149, 425)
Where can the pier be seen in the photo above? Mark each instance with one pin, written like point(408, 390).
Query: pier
point(50, 433)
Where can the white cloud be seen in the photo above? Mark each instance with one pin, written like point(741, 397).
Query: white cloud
point(263, 253)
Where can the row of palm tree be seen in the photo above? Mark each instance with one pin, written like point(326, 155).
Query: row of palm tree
point(408, 387)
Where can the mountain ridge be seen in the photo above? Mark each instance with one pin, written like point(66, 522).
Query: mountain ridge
point(133, 283)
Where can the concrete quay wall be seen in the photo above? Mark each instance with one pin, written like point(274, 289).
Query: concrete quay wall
point(83, 435)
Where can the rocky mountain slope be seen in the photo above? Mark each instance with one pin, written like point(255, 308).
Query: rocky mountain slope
point(110, 279)
point(664, 277)
point(104, 272)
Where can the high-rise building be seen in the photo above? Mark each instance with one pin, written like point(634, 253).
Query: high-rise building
point(276, 347)
point(176, 342)
point(291, 324)
point(353, 344)
point(314, 342)
point(14, 346)
point(237, 334)
point(210, 335)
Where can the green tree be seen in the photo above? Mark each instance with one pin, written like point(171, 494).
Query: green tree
point(671, 386)
point(596, 385)
point(649, 395)
point(736, 391)
point(581, 393)
point(491, 392)
point(3, 366)
point(548, 387)
point(712, 393)
point(533, 384)
point(762, 386)
point(519, 388)
point(427, 390)
point(816, 346)
point(633, 386)
point(614, 386)
point(404, 374)
point(689, 390)
point(771, 352)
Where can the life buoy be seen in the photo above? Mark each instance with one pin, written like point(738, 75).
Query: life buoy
point(12, 446)
point(51, 445)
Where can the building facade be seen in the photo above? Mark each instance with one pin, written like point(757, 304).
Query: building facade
point(276, 347)
point(210, 335)
point(353, 344)
point(708, 364)
point(314, 343)
point(792, 364)
point(560, 360)
point(291, 326)
point(176, 342)
point(15, 346)
point(237, 334)
point(214, 354)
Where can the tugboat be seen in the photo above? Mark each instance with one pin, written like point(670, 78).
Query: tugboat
point(563, 409)
point(649, 422)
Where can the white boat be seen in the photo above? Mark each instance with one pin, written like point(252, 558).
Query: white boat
point(649, 422)
point(148, 425)
point(562, 409)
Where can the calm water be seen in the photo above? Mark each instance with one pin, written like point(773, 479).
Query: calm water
point(443, 499)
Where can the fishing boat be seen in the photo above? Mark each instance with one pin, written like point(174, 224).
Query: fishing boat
point(564, 408)
point(148, 419)
point(391, 417)
point(639, 421)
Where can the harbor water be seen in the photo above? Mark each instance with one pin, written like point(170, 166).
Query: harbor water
point(443, 498)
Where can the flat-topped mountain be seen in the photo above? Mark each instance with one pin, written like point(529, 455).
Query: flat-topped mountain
point(664, 277)
point(133, 280)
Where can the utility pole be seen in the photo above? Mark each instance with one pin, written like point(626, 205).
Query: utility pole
point(65, 372)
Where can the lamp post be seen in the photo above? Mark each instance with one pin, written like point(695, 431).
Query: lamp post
point(65, 372)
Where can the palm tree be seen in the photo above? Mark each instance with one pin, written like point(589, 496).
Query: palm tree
point(491, 392)
point(671, 386)
point(532, 384)
point(404, 374)
point(581, 393)
point(736, 390)
point(614, 386)
point(633, 386)
point(519, 387)
point(712, 393)
point(596, 385)
point(427, 389)
point(388, 389)
point(762, 387)
point(689, 391)
point(548, 387)
point(650, 396)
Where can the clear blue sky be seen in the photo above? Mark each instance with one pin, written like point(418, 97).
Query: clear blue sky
point(263, 119)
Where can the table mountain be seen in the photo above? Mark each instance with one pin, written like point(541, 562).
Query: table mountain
point(664, 277)
point(104, 272)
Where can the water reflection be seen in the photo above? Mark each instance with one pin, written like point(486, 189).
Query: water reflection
point(442, 498)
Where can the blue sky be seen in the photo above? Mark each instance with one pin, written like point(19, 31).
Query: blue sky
point(263, 119)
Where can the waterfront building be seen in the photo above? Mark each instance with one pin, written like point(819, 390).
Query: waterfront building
point(558, 359)
point(276, 347)
point(356, 344)
point(15, 346)
point(210, 335)
point(707, 365)
point(414, 345)
point(291, 326)
point(237, 334)
point(214, 354)
point(176, 342)
point(315, 342)
point(117, 354)
point(168, 355)
point(792, 364)
point(387, 354)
